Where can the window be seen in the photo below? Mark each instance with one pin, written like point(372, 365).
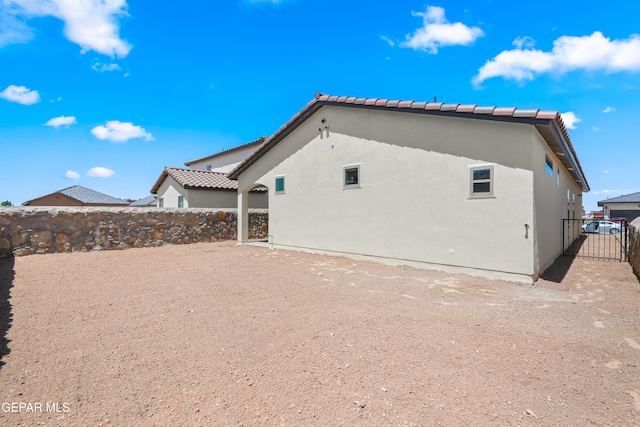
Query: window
point(352, 176)
point(208, 167)
point(181, 201)
point(558, 178)
point(161, 202)
point(549, 166)
point(279, 184)
point(481, 180)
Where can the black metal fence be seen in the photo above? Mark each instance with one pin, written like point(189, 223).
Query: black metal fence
point(598, 239)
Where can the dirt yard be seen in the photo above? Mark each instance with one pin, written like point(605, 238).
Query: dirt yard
point(215, 334)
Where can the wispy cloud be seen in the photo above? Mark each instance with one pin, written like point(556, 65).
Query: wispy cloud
point(608, 110)
point(570, 119)
point(605, 171)
point(436, 32)
point(13, 30)
point(388, 40)
point(593, 52)
point(101, 68)
point(61, 121)
point(72, 175)
point(100, 172)
point(595, 128)
point(117, 131)
point(91, 24)
point(21, 95)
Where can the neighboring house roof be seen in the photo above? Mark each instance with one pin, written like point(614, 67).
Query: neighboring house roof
point(255, 143)
point(85, 195)
point(150, 200)
point(629, 198)
point(198, 179)
point(548, 123)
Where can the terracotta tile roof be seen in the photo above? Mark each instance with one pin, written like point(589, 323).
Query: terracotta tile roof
point(198, 179)
point(548, 123)
point(85, 195)
point(230, 150)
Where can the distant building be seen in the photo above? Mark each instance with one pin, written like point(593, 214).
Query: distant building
point(145, 202)
point(76, 195)
point(622, 207)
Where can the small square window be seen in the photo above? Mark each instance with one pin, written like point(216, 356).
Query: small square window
point(352, 176)
point(548, 166)
point(481, 181)
point(279, 184)
point(208, 167)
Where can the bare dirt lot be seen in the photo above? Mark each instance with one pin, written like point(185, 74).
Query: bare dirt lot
point(215, 334)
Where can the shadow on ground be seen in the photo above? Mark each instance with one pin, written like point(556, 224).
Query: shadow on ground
point(6, 283)
point(558, 270)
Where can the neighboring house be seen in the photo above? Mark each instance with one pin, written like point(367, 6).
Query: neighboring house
point(76, 195)
point(481, 190)
point(145, 202)
point(225, 161)
point(183, 188)
point(622, 207)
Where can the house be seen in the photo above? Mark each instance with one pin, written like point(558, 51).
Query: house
point(76, 195)
point(183, 188)
point(145, 202)
point(481, 190)
point(622, 207)
point(225, 161)
point(205, 184)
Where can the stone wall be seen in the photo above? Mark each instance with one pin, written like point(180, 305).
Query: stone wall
point(40, 230)
point(634, 246)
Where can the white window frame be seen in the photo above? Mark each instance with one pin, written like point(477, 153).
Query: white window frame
point(275, 185)
point(491, 181)
point(346, 186)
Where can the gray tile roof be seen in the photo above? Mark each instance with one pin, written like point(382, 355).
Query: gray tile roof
point(150, 200)
point(197, 179)
point(87, 196)
point(548, 123)
point(629, 198)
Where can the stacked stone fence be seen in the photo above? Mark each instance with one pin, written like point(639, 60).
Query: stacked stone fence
point(634, 246)
point(42, 230)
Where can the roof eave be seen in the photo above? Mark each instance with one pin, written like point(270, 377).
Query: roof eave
point(561, 147)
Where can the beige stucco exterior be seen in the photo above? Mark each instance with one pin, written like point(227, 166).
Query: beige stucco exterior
point(169, 191)
point(413, 204)
point(224, 162)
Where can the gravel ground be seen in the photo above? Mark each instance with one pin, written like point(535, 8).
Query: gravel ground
point(216, 334)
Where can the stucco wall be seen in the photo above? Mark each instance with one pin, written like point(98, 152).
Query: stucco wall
point(27, 230)
point(225, 162)
point(634, 246)
point(413, 203)
point(213, 199)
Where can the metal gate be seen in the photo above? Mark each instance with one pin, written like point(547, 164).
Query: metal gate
point(598, 239)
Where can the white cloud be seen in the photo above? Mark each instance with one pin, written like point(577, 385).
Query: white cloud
point(594, 52)
point(12, 29)
point(101, 68)
point(608, 110)
point(117, 131)
point(595, 128)
point(570, 119)
point(526, 42)
point(91, 24)
point(100, 172)
point(605, 171)
point(61, 121)
point(72, 175)
point(437, 31)
point(21, 95)
point(388, 40)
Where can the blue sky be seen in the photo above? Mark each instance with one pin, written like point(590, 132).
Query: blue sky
point(105, 93)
